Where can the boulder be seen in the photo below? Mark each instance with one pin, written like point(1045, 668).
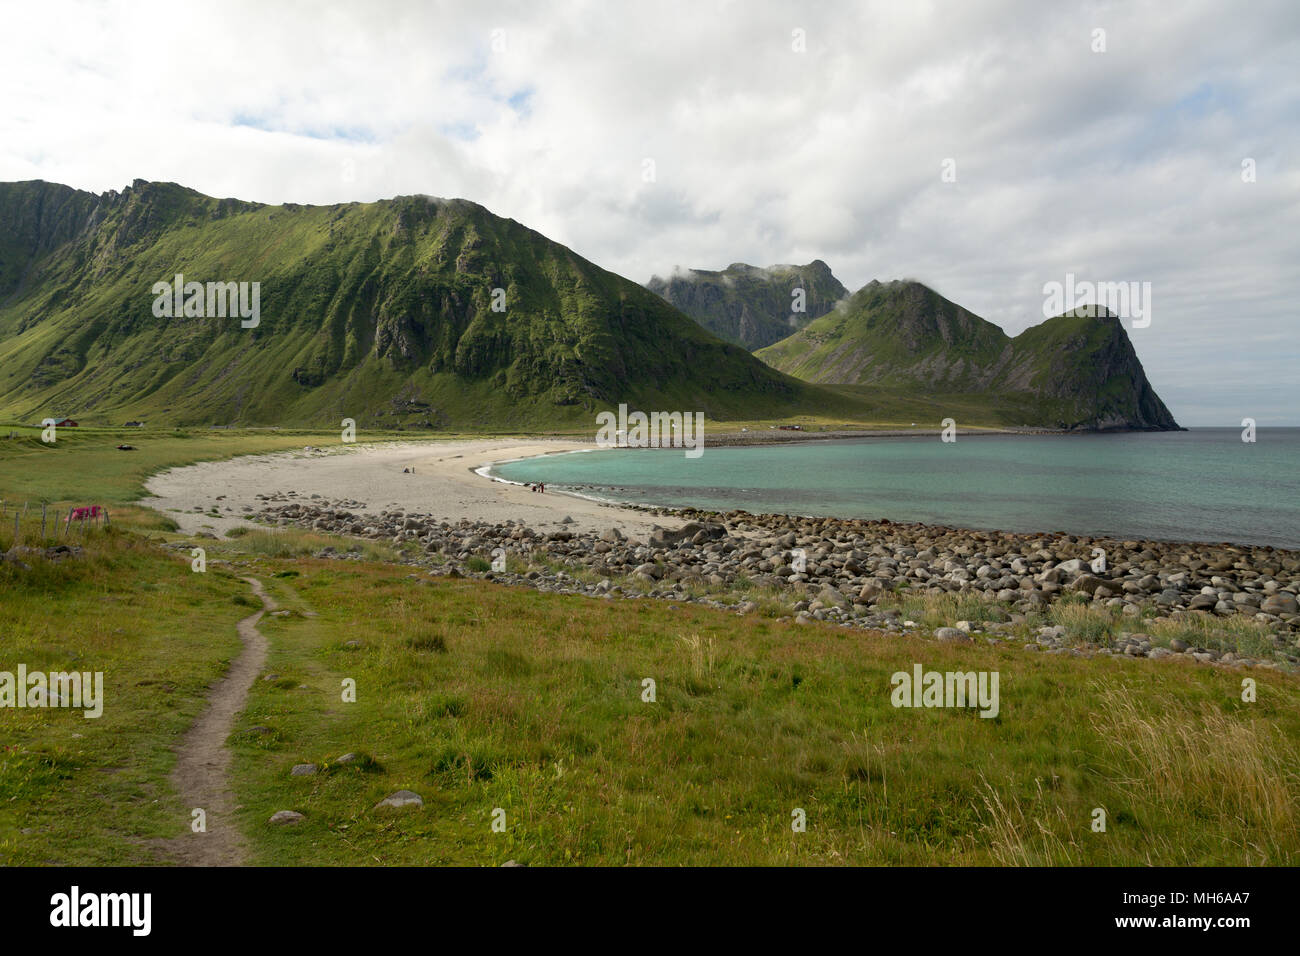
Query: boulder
point(1280, 602)
point(1089, 584)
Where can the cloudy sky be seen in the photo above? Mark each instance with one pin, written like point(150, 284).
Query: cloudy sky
point(1116, 142)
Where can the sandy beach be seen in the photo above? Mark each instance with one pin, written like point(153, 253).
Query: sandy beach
point(442, 484)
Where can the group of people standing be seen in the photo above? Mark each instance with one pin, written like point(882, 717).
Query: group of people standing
point(538, 487)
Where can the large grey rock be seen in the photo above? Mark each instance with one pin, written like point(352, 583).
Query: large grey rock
point(1280, 602)
point(1088, 583)
point(832, 598)
point(285, 817)
point(663, 537)
point(870, 591)
point(402, 798)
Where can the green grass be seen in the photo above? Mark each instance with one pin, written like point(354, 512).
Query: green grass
point(296, 543)
point(84, 465)
point(95, 791)
point(479, 696)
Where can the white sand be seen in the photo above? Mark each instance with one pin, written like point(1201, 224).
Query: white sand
point(443, 485)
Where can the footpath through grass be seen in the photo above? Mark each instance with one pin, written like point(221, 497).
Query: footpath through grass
point(480, 697)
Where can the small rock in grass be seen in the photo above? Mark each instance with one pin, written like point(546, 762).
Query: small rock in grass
point(303, 770)
point(285, 817)
point(402, 798)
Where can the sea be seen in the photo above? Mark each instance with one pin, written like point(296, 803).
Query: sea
point(1204, 484)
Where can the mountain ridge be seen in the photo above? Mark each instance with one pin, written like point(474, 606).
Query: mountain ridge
point(365, 307)
point(387, 313)
point(752, 306)
point(902, 334)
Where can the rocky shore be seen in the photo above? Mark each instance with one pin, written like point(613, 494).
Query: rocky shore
point(864, 573)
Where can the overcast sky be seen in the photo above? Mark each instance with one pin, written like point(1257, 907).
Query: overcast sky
point(651, 135)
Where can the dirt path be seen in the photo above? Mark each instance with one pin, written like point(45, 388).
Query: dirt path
point(202, 769)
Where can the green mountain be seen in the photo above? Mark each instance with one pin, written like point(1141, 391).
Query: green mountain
point(1072, 371)
point(749, 305)
point(407, 311)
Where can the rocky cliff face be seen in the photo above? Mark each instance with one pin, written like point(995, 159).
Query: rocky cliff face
point(749, 305)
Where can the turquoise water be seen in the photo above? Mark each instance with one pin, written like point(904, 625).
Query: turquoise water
point(1202, 485)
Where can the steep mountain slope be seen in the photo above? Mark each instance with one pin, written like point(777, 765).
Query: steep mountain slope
point(381, 312)
point(752, 306)
point(1071, 371)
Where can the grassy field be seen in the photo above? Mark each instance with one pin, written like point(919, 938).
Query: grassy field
point(483, 698)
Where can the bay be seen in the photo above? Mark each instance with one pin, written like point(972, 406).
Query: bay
point(1205, 484)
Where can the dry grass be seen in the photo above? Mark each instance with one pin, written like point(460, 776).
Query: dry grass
point(1016, 837)
point(1083, 623)
point(1204, 764)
